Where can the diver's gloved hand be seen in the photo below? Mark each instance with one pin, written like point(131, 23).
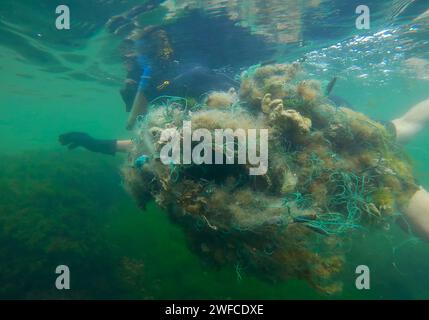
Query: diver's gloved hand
point(80, 139)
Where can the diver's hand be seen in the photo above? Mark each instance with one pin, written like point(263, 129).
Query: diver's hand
point(72, 140)
point(80, 139)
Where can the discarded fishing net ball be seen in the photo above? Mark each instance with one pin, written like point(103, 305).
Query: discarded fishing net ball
point(331, 172)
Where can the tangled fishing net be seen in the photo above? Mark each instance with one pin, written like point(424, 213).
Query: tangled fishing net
point(331, 171)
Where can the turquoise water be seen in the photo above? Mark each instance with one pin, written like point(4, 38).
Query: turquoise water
point(69, 207)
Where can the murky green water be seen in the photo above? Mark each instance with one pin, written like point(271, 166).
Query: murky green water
point(69, 207)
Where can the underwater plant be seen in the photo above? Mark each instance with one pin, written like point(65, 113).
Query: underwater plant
point(332, 172)
point(54, 210)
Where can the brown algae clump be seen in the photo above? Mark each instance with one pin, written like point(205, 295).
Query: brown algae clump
point(331, 171)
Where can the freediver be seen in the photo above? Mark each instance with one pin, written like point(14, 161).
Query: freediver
point(162, 62)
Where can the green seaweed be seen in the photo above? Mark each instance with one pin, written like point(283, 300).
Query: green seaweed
point(54, 210)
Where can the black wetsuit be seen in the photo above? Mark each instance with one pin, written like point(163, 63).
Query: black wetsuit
point(190, 80)
point(200, 59)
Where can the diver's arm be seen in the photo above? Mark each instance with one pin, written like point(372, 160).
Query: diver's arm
point(73, 140)
point(139, 108)
point(123, 145)
point(417, 214)
point(140, 101)
point(416, 119)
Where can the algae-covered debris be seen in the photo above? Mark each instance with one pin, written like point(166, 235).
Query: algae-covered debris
point(331, 171)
